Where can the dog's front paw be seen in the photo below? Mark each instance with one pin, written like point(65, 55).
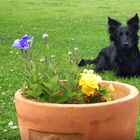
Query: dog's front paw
point(82, 63)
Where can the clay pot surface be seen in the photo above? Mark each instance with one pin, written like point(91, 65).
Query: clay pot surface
point(113, 120)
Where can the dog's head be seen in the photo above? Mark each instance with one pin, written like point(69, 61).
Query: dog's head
point(124, 36)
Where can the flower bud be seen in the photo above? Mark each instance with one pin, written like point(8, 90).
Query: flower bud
point(45, 36)
point(76, 49)
point(85, 70)
point(90, 71)
point(69, 53)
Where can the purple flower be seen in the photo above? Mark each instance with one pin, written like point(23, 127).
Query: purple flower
point(24, 43)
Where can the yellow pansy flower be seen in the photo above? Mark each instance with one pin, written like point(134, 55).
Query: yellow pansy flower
point(89, 82)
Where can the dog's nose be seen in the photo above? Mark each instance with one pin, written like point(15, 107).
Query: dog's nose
point(125, 43)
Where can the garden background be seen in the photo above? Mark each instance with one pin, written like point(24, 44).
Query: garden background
point(75, 23)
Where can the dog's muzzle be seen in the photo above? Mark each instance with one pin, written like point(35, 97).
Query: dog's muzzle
point(125, 43)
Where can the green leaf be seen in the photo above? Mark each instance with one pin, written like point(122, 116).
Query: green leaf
point(59, 99)
point(106, 94)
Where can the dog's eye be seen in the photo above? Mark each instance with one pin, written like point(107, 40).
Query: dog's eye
point(127, 33)
point(120, 33)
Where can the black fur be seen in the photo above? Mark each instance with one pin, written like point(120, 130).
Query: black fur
point(122, 55)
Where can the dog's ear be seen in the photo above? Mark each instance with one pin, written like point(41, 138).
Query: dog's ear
point(134, 22)
point(113, 23)
point(112, 26)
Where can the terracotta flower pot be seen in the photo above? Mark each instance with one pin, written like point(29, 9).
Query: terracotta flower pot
point(114, 120)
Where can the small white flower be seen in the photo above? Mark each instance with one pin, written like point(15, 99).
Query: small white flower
point(17, 53)
point(69, 53)
point(76, 49)
point(10, 123)
point(5, 130)
point(45, 36)
point(11, 52)
point(14, 127)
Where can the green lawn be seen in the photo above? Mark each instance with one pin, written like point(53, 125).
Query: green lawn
point(70, 24)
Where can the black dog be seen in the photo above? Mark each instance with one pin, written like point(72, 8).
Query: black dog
point(122, 55)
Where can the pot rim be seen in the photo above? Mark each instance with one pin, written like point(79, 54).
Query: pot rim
point(133, 94)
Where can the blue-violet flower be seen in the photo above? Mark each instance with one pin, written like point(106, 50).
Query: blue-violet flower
point(24, 43)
